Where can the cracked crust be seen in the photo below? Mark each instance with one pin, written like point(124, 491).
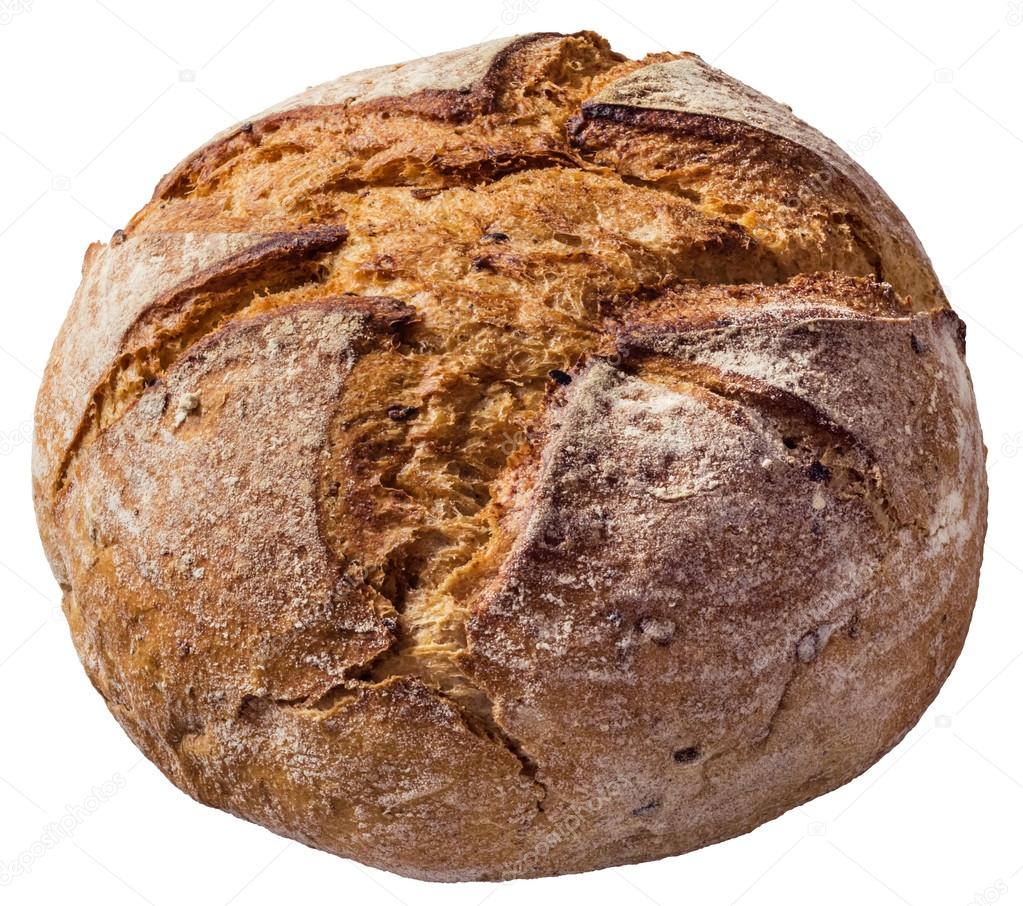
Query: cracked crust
point(571, 454)
point(817, 604)
point(728, 144)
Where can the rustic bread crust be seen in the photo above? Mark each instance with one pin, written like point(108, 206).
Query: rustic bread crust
point(573, 453)
point(686, 96)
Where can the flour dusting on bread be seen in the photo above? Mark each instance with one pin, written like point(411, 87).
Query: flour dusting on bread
point(513, 462)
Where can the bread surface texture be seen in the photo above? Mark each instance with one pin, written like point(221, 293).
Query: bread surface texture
point(514, 462)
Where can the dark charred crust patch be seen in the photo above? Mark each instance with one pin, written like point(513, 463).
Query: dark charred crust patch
point(686, 755)
point(818, 471)
point(647, 808)
point(399, 413)
point(707, 126)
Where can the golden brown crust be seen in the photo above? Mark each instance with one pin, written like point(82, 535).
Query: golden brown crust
point(451, 87)
point(519, 442)
point(736, 150)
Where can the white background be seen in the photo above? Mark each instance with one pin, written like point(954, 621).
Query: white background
point(100, 99)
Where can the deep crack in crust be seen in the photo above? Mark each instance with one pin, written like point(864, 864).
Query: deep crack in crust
point(370, 449)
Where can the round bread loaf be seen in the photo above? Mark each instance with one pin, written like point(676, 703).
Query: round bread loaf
point(514, 462)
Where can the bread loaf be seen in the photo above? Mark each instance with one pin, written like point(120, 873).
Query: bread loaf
point(514, 462)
